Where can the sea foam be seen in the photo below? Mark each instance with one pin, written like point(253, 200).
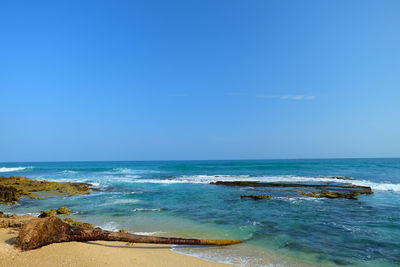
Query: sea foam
point(133, 171)
point(121, 201)
point(15, 169)
point(110, 226)
point(147, 233)
point(135, 210)
point(206, 179)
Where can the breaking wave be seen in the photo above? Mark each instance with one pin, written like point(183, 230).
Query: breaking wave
point(135, 210)
point(206, 179)
point(110, 226)
point(122, 201)
point(133, 171)
point(14, 169)
point(147, 233)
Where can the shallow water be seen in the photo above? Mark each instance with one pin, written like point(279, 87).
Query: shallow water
point(175, 198)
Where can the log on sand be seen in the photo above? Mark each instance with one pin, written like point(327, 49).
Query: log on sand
point(44, 231)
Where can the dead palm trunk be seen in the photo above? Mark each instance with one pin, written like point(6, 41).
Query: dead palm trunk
point(49, 230)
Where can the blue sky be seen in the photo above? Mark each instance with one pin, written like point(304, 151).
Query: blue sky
point(143, 80)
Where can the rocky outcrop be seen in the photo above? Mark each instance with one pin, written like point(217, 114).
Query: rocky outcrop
point(328, 189)
point(79, 224)
point(264, 184)
point(9, 194)
point(330, 194)
point(13, 220)
point(53, 212)
point(256, 197)
point(44, 231)
point(15, 187)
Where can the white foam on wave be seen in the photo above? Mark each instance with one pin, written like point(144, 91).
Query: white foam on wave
point(115, 227)
point(133, 171)
point(378, 186)
point(148, 233)
point(98, 182)
point(110, 226)
point(122, 201)
point(206, 179)
point(69, 172)
point(135, 210)
point(227, 256)
point(195, 179)
point(86, 181)
point(13, 169)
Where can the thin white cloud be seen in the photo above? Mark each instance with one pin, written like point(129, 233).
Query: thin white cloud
point(290, 97)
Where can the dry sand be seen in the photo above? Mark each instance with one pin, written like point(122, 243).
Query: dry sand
point(94, 254)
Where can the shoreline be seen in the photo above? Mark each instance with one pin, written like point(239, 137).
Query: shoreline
point(292, 228)
point(95, 253)
point(92, 253)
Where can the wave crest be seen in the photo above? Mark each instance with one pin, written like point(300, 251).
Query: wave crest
point(13, 169)
point(135, 210)
point(206, 179)
point(133, 171)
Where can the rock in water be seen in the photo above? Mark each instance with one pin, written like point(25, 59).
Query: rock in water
point(15, 187)
point(256, 197)
point(329, 194)
point(53, 212)
point(328, 190)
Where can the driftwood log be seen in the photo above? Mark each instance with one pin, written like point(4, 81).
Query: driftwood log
point(44, 231)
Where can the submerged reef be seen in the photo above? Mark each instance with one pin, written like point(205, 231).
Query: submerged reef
point(327, 190)
point(15, 187)
point(330, 194)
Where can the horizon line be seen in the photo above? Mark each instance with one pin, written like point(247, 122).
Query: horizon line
point(45, 161)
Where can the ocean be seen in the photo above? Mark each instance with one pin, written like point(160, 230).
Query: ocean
point(175, 198)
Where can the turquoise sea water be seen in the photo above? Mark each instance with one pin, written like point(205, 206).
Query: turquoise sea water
point(172, 198)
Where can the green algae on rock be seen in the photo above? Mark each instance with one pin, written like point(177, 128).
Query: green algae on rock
point(13, 220)
point(15, 187)
point(53, 212)
point(330, 194)
point(256, 197)
point(328, 190)
point(79, 224)
point(275, 184)
point(9, 194)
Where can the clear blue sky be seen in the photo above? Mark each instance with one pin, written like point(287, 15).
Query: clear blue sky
point(142, 80)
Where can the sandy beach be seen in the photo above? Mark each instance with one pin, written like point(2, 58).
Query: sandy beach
point(99, 253)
